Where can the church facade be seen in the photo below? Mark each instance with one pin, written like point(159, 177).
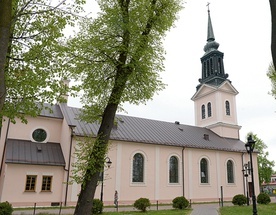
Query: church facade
point(150, 158)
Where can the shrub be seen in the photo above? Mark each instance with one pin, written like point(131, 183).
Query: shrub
point(180, 202)
point(97, 207)
point(239, 199)
point(142, 204)
point(5, 208)
point(263, 198)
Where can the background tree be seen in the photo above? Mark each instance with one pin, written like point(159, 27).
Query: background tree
point(273, 29)
point(265, 166)
point(30, 34)
point(271, 73)
point(117, 58)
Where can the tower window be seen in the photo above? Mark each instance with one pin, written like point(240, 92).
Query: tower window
point(227, 108)
point(209, 109)
point(203, 111)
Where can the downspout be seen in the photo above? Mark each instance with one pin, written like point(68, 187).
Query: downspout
point(69, 164)
point(5, 144)
point(183, 189)
point(243, 174)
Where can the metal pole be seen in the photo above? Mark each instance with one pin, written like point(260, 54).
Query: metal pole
point(247, 194)
point(253, 188)
point(221, 190)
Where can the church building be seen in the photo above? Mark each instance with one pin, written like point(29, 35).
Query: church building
point(152, 159)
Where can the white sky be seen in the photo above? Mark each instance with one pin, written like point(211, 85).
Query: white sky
point(243, 30)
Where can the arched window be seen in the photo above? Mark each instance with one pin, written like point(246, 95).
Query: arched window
point(230, 172)
point(203, 111)
point(173, 169)
point(204, 171)
point(138, 168)
point(209, 109)
point(227, 108)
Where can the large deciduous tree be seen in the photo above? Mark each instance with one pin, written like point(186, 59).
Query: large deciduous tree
point(273, 29)
point(30, 33)
point(265, 166)
point(117, 58)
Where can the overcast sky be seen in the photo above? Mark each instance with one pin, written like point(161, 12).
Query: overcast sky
point(243, 30)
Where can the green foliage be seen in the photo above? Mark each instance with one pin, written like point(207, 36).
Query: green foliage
point(271, 74)
point(5, 208)
point(263, 198)
point(180, 202)
point(121, 52)
point(33, 72)
point(142, 204)
point(239, 199)
point(97, 207)
point(265, 166)
point(87, 148)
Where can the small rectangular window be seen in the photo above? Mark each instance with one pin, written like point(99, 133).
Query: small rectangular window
point(30, 183)
point(46, 183)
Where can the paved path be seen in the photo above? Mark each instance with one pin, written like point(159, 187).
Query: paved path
point(198, 209)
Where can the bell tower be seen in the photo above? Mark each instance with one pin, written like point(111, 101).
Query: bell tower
point(215, 97)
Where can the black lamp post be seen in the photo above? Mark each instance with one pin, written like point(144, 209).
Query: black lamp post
point(246, 181)
point(249, 148)
point(108, 162)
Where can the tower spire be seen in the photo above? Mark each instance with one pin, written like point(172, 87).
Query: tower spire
point(212, 60)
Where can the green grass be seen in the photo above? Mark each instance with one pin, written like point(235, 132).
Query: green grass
point(269, 209)
point(161, 212)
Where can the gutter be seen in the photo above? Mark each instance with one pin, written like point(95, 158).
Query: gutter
point(243, 174)
point(183, 188)
point(69, 164)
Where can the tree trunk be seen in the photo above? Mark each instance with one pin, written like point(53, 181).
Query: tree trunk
point(5, 25)
point(273, 30)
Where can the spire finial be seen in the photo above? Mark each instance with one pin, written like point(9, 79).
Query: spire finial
point(208, 3)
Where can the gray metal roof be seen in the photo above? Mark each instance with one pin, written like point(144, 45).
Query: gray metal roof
point(27, 152)
point(135, 129)
point(52, 111)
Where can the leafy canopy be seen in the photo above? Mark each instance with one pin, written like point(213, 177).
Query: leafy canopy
point(265, 166)
point(129, 30)
point(32, 74)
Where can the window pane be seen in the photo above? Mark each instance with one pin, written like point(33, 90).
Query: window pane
point(46, 183)
point(227, 107)
point(209, 109)
point(204, 171)
point(138, 168)
point(173, 170)
point(203, 111)
point(230, 172)
point(30, 183)
point(39, 135)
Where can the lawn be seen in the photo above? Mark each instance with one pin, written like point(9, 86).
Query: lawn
point(269, 209)
point(161, 212)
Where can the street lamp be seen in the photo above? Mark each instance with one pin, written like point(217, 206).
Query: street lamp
point(249, 148)
point(245, 170)
point(108, 163)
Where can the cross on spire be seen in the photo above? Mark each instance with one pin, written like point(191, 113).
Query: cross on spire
point(208, 3)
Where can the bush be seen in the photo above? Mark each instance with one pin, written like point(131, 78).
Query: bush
point(97, 207)
point(239, 199)
point(142, 204)
point(180, 202)
point(263, 198)
point(5, 208)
